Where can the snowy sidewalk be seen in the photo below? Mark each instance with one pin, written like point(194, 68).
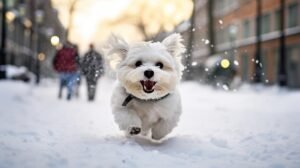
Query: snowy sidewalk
point(244, 129)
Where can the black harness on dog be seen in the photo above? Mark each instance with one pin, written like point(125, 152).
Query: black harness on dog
point(130, 97)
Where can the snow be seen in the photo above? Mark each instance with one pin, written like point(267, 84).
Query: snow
point(14, 71)
point(252, 127)
point(225, 87)
point(236, 62)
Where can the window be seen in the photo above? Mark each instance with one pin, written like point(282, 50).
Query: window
point(232, 32)
point(277, 20)
point(10, 3)
point(223, 35)
point(265, 23)
point(293, 62)
point(293, 15)
point(246, 27)
point(245, 66)
point(276, 59)
point(228, 36)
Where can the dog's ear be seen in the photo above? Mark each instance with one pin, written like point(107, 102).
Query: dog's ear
point(117, 45)
point(174, 45)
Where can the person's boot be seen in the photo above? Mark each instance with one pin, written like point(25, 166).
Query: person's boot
point(69, 97)
point(59, 95)
point(91, 98)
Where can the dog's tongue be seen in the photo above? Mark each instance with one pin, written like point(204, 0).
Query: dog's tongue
point(149, 84)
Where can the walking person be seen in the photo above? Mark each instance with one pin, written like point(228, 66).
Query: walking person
point(65, 63)
point(92, 69)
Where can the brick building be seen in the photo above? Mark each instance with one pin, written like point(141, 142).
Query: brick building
point(235, 37)
point(238, 32)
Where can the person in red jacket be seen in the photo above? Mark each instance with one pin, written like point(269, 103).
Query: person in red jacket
point(66, 64)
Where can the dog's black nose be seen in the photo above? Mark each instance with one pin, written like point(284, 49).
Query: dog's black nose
point(148, 73)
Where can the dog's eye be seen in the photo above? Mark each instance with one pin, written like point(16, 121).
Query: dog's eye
point(138, 63)
point(160, 65)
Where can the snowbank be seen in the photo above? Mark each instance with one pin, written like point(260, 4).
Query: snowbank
point(253, 127)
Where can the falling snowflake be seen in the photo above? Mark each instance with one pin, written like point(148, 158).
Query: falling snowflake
point(206, 41)
point(221, 21)
point(194, 63)
point(236, 62)
point(225, 87)
point(193, 29)
point(206, 69)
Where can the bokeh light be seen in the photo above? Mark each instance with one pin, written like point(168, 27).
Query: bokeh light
point(225, 63)
point(54, 40)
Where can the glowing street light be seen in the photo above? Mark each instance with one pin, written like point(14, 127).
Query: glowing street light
point(27, 23)
point(54, 40)
point(10, 16)
point(225, 63)
point(41, 56)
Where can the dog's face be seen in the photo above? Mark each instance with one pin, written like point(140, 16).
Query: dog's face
point(149, 70)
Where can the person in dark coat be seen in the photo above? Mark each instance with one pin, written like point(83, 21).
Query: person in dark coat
point(66, 64)
point(92, 69)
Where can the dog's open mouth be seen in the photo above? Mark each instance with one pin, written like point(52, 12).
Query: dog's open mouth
point(148, 86)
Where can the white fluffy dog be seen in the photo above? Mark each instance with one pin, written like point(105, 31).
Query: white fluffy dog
point(146, 98)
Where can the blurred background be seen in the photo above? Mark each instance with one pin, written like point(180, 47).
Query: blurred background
point(229, 42)
point(240, 91)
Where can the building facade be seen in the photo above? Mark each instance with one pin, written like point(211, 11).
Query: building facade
point(30, 24)
point(238, 33)
point(234, 36)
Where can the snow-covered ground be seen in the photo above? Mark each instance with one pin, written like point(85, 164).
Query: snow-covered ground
point(250, 128)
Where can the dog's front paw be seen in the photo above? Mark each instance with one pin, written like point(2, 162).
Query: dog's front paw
point(134, 130)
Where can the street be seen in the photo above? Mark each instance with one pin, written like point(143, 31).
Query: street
point(255, 126)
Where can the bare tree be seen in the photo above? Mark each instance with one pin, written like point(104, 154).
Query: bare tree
point(145, 15)
point(71, 9)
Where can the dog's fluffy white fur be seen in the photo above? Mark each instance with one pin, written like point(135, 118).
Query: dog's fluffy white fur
point(151, 112)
